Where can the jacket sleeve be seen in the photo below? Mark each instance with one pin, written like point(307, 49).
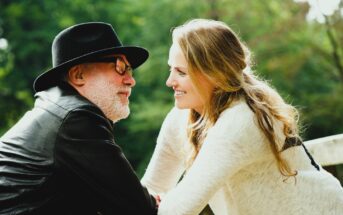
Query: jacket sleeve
point(229, 146)
point(91, 167)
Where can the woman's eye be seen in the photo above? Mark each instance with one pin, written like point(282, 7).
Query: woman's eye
point(178, 71)
point(181, 73)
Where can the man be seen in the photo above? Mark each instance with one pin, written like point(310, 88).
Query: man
point(61, 158)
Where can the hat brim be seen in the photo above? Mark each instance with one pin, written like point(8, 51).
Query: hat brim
point(136, 56)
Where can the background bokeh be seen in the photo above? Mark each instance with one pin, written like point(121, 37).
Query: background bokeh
point(297, 45)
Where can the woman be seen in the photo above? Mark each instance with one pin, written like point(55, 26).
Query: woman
point(231, 138)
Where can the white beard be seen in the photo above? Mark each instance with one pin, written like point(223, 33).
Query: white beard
point(105, 96)
point(120, 110)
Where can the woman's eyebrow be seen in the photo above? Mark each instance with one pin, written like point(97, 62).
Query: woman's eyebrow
point(181, 68)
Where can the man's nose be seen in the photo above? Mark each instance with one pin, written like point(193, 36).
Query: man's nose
point(129, 80)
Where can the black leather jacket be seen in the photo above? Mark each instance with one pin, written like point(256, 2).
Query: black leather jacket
point(61, 158)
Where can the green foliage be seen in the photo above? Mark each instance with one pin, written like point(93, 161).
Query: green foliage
point(294, 54)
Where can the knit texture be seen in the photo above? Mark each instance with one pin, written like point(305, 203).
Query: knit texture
point(235, 172)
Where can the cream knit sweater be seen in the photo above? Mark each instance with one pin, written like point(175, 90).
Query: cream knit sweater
point(235, 172)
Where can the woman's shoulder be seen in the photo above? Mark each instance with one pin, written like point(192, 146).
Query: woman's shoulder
point(239, 112)
point(237, 123)
point(173, 133)
point(176, 118)
point(240, 122)
point(177, 114)
point(175, 122)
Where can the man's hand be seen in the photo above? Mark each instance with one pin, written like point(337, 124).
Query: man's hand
point(158, 200)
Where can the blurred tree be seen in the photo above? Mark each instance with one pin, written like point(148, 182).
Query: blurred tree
point(329, 13)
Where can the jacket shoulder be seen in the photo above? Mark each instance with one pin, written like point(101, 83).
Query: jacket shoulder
point(60, 101)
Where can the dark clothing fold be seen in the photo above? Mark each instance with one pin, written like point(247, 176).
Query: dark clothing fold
point(61, 158)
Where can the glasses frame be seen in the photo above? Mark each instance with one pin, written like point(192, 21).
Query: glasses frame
point(116, 59)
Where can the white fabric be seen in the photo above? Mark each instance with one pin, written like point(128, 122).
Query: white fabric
point(235, 172)
point(327, 150)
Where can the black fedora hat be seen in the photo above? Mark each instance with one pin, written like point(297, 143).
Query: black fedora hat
point(85, 42)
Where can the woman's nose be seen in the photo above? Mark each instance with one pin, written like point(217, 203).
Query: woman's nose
point(170, 81)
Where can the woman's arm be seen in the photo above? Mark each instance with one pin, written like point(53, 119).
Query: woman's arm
point(166, 165)
point(230, 144)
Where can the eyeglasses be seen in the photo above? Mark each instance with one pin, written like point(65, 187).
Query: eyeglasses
point(121, 67)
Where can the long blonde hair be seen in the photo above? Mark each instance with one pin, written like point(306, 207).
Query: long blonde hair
point(214, 50)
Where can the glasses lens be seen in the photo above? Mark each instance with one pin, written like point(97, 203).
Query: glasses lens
point(120, 66)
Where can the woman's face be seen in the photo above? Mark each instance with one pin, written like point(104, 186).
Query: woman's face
point(185, 94)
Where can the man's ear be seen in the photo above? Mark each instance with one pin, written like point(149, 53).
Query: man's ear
point(76, 76)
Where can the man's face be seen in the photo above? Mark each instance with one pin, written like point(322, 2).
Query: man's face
point(108, 89)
